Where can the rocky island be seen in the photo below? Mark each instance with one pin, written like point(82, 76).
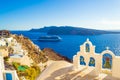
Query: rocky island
point(71, 30)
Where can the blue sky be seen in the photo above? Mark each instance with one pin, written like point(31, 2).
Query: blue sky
point(27, 14)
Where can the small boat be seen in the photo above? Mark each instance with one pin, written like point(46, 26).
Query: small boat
point(49, 38)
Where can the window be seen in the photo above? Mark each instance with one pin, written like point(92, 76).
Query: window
point(9, 76)
point(87, 48)
point(82, 62)
point(107, 61)
point(92, 62)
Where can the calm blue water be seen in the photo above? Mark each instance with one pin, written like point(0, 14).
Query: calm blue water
point(70, 43)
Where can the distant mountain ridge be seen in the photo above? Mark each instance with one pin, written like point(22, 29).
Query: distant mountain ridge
point(69, 30)
point(44, 29)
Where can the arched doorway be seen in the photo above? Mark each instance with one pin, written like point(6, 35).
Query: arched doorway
point(82, 62)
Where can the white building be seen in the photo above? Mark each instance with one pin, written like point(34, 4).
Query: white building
point(104, 62)
point(7, 74)
point(2, 42)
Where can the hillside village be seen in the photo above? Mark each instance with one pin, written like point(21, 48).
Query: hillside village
point(17, 58)
point(22, 59)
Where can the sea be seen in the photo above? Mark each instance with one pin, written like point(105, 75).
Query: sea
point(70, 44)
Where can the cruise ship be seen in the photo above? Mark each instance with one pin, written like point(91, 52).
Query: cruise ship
point(49, 38)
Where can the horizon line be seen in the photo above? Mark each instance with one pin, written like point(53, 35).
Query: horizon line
point(60, 26)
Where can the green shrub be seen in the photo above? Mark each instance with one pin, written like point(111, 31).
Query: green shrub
point(30, 73)
point(16, 65)
point(6, 58)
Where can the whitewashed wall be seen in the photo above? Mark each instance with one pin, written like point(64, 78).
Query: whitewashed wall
point(115, 70)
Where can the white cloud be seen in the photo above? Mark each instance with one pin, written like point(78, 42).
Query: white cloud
point(110, 22)
point(103, 24)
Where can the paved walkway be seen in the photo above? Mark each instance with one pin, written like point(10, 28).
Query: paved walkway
point(62, 70)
